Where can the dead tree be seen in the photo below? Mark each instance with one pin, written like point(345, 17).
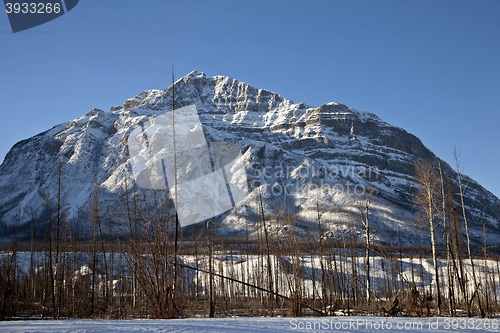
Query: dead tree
point(444, 214)
point(426, 199)
point(364, 222)
point(462, 190)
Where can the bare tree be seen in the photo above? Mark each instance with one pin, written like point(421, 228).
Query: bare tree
point(426, 198)
point(444, 214)
point(50, 263)
point(94, 221)
point(364, 222)
point(462, 190)
point(211, 274)
point(176, 268)
point(269, 267)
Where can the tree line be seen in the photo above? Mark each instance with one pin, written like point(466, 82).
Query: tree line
point(134, 263)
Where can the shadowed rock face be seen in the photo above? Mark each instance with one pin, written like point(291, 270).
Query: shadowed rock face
point(327, 145)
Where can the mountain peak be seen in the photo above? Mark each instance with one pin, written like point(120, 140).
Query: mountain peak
point(196, 74)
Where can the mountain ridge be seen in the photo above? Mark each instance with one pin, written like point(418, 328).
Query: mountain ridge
point(270, 129)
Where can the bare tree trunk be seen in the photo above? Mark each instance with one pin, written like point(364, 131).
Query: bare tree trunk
point(485, 271)
point(462, 190)
point(58, 277)
point(447, 238)
point(32, 291)
point(436, 268)
point(50, 265)
point(211, 275)
point(176, 268)
point(426, 199)
point(457, 245)
point(323, 279)
point(364, 211)
point(272, 300)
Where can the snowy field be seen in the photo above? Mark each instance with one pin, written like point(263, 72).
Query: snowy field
point(260, 325)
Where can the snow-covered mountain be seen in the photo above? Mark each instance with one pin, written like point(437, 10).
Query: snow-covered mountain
point(323, 156)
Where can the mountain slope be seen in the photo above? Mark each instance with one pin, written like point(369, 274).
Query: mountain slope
point(339, 150)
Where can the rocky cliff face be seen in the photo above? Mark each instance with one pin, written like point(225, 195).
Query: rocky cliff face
point(303, 160)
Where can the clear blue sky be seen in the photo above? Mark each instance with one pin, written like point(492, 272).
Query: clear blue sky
point(430, 67)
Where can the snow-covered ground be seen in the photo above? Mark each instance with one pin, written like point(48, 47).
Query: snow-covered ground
point(260, 325)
